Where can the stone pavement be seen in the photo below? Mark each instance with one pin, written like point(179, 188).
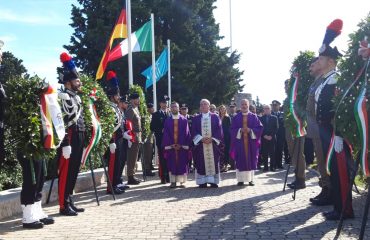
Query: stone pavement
point(153, 211)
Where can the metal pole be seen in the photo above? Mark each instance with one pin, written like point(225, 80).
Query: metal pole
point(93, 178)
point(287, 171)
point(128, 20)
point(153, 66)
point(50, 189)
point(231, 33)
point(364, 217)
point(169, 68)
point(297, 164)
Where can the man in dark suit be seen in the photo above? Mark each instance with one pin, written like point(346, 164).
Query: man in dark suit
point(157, 126)
point(280, 135)
point(270, 128)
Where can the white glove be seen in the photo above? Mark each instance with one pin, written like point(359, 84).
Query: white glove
point(126, 135)
point(112, 148)
point(338, 144)
point(66, 152)
point(129, 143)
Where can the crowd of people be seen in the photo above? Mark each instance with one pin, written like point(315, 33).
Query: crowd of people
point(243, 138)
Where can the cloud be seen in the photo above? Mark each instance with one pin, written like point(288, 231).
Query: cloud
point(7, 15)
point(8, 38)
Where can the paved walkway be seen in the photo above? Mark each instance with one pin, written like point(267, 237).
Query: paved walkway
point(153, 211)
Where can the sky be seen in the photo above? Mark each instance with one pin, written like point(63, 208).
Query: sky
point(267, 33)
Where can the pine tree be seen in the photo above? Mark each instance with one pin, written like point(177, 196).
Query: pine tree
point(200, 68)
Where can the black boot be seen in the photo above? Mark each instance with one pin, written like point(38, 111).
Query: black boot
point(204, 185)
point(67, 210)
point(133, 181)
point(325, 199)
point(34, 225)
point(73, 206)
point(240, 184)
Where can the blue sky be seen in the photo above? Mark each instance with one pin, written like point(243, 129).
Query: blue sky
point(268, 34)
point(35, 31)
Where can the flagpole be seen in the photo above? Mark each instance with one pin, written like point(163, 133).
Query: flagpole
point(169, 68)
point(153, 66)
point(128, 20)
point(231, 33)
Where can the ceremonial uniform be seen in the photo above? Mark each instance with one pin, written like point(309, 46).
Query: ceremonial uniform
point(133, 116)
point(71, 149)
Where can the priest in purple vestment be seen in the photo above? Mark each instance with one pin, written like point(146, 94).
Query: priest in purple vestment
point(246, 130)
point(176, 143)
point(207, 136)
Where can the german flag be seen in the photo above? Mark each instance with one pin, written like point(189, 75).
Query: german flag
point(119, 31)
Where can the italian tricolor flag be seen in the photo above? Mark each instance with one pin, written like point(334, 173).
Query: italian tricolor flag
point(141, 41)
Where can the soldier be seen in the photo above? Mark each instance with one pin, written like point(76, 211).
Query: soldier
point(148, 146)
point(70, 151)
point(157, 125)
point(113, 154)
point(133, 116)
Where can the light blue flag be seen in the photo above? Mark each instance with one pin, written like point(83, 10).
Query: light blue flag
point(161, 68)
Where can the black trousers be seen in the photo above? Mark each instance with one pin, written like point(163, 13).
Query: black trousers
point(268, 150)
point(309, 151)
point(341, 169)
point(162, 162)
point(115, 163)
point(69, 168)
point(123, 153)
point(31, 190)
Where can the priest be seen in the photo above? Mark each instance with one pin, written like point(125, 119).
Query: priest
point(246, 130)
point(176, 144)
point(207, 136)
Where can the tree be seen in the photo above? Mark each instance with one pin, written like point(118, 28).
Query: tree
point(200, 69)
point(11, 67)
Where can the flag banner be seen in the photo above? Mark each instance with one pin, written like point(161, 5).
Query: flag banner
point(161, 68)
point(141, 41)
point(119, 31)
point(51, 119)
point(363, 127)
point(96, 129)
point(300, 130)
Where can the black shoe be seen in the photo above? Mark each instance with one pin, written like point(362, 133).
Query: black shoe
point(116, 191)
point(334, 215)
point(150, 174)
point(317, 197)
point(214, 185)
point(265, 169)
point(280, 167)
point(272, 169)
point(123, 187)
point(182, 186)
point(240, 184)
point(204, 185)
point(324, 201)
point(163, 181)
point(173, 185)
point(68, 211)
point(251, 183)
point(34, 225)
point(47, 220)
point(73, 206)
point(168, 179)
point(133, 181)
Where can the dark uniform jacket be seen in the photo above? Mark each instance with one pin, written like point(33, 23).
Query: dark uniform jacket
point(270, 128)
point(324, 98)
point(157, 125)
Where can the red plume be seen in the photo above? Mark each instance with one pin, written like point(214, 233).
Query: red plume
point(110, 75)
point(336, 26)
point(65, 57)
